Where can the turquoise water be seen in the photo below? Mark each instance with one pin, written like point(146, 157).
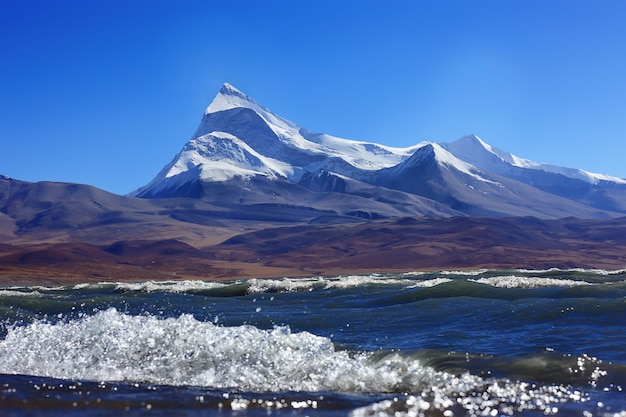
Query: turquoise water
point(443, 344)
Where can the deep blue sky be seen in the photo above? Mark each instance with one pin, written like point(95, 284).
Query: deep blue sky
point(107, 92)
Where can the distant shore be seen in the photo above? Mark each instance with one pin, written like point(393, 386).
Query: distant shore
point(394, 245)
point(73, 274)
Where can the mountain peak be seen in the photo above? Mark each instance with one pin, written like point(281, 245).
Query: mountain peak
point(474, 150)
point(445, 158)
point(474, 139)
point(230, 90)
point(471, 143)
point(230, 97)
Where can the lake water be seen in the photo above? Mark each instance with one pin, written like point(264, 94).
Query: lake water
point(490, 343)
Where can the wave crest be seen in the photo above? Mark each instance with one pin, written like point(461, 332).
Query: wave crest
point(112, 346)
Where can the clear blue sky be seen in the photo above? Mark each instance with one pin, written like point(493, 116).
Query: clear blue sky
point(107, 92)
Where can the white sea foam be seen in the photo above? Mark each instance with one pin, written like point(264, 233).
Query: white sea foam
point(170, 286)
point(429, 282)
point(309, 284)
point(414, 273)
point(284, 285)
point(513, 281)
point(581, 270)
point(472, 272)
point(112, 346)
point(350, 281)
point(17, 293)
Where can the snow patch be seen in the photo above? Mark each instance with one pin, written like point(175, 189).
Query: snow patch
point(446, 158)
point(221, 156)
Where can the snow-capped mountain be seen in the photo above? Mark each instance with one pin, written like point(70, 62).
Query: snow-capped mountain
point(478, 153)
point(242, 153)
point(239, 138)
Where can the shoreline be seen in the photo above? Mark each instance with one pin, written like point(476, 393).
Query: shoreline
point(386, 246)
point(49, 278)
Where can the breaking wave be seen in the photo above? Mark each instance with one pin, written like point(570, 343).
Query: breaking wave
point(113, 346)
point(520, 278)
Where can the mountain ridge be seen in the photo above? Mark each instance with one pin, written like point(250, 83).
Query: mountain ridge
point(238, 139)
